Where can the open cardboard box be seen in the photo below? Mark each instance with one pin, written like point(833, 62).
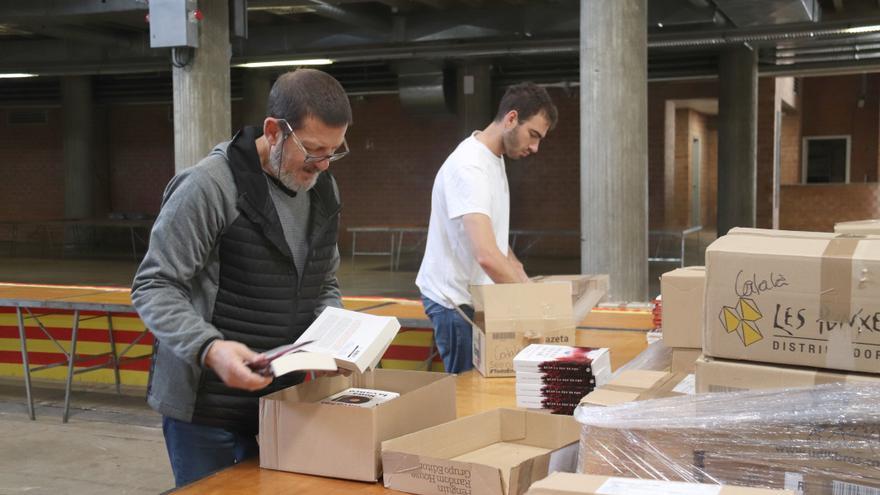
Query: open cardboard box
point(299, 434)
point(509, 317)
point(499, 452)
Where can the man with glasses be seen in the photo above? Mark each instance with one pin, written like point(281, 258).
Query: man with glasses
point(470, 216)
point(242, 259)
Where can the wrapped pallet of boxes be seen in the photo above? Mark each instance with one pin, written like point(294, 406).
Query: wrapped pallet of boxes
point(823, 440)
point(509, 317)
point(586, 484)
point(799, 298)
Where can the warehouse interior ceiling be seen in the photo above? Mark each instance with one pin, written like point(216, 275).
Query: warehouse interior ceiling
point(369, 40)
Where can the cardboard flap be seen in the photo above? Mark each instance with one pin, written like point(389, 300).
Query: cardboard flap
point(450, 439)
point(638, 379)
point(523, 301)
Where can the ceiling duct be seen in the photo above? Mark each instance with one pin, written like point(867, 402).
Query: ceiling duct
point(425, 87)
point(746, 13)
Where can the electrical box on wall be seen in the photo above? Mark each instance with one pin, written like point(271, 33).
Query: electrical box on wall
point(174, 23)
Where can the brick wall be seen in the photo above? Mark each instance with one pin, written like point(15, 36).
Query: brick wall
point(661, 160)
point(765, 152)
point(140, 139)
point(33, 169)
point(830, 107)
point(818, 207)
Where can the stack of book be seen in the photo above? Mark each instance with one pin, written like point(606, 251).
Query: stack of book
point(557, 377)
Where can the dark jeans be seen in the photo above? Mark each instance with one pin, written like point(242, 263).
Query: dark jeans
point(452, 334)
point(196, 450)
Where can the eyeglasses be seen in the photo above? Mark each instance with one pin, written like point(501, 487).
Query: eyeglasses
point(310, 158)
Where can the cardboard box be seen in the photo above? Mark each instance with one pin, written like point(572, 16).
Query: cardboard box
point(683, 290)
point(299, 434)
point(684, 360)
point(587, 484)
point(633, 385)
point(509, 317)
point(499, 452)
point(800, 298)
point(586, 291)
point(858, 227)
point(721, 375)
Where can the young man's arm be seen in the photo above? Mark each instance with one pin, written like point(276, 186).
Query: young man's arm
point(499, 267)
point(517, 265)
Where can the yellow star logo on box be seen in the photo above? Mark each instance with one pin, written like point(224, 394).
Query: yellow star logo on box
point(743, 319)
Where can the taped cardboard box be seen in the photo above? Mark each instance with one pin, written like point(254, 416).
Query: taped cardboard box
point(859, 227)
point(586, 484)
point(800, 298)
point(821, 441)
point(499, 452)
point(682, 322)
point(722, 375)
point(509, 317)
point(299, 434)
point(684, 360)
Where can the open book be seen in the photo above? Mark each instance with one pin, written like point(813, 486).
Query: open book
point(338, 338)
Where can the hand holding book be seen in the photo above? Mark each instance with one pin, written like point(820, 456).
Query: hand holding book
point(338, 338)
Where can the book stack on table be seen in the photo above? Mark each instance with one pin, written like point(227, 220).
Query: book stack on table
point(556, 377)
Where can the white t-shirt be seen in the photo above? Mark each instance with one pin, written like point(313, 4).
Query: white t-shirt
point(471, 180)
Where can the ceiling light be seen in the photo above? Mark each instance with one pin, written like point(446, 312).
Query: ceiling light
point(287, 63)
point(15, 75)
point(863, 29)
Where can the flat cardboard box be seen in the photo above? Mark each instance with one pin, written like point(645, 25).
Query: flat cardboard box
point(684, 360)
point(509, 317)
point(634, 385)
point(858, 227)
point(499, 452)
point(799, 298)
point(683, 290)
point(587, 484)
point(299, 434)
point(722, 375)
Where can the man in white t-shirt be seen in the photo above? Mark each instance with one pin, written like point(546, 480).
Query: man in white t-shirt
point(470, 218)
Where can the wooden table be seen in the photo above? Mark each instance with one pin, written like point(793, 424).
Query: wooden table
point(474, 394)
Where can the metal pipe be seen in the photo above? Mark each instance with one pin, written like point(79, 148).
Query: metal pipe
point(759, 35)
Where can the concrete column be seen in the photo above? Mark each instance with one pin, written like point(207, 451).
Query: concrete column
point(475, 108)
point(737, 137)
point(79, 145)
point(202, 109)
point(256, 85)
point(614, 144)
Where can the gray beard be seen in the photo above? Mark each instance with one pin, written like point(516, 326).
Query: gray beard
point(287, 178)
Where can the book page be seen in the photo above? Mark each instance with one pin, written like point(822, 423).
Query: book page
point(349, 336)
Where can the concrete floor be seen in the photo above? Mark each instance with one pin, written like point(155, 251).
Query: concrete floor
point(113, 443)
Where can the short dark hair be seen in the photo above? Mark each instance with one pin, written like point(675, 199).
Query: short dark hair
point(527, 99)
point(304, 93)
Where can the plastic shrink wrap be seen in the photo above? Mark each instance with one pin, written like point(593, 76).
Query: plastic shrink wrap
point(816, 441)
